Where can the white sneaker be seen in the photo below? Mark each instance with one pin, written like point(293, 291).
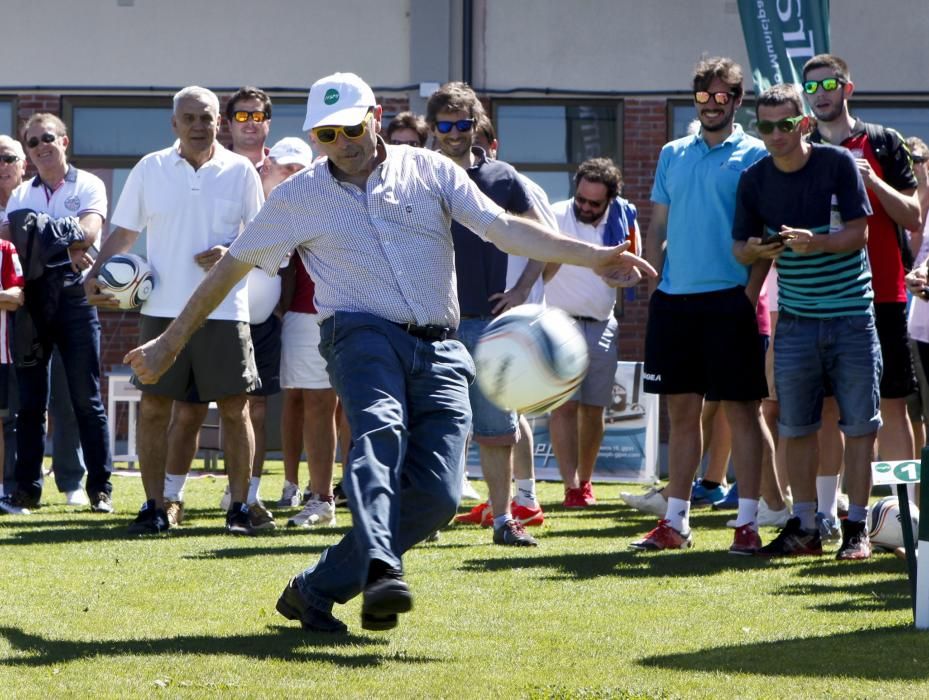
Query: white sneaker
point(226, 501)
point(290, 496)
point(767, 517)
point(315, 513)
point(841, 502)
point(829, 530)
point(652, 501)
point(76, 498)
point(468, 493)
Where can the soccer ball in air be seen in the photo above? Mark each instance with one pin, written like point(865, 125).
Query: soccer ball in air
point(531, 359)
point(885, 523)
point(127, 277)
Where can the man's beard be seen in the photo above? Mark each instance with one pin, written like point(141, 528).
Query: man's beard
point(585, 218)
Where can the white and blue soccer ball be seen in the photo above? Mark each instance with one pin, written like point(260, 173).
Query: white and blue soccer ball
point(531, 359)
point(885, 523)
point(127, 277)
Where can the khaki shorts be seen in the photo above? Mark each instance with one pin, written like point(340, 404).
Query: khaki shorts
point(217, 362)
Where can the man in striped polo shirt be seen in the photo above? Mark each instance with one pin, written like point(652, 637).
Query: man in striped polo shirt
point(805, 206)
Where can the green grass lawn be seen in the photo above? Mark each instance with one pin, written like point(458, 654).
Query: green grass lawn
point(87, 611)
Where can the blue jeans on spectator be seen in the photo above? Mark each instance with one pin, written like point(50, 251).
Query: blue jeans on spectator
point(67, 457)
point(492, 425)
point(406, 400)
point(75, 331)
point(9, 433)
point(843, 350)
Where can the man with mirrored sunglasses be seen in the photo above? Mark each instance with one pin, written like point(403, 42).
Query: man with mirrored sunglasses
point(884, 164)
point(483, 291)
point(372, 223)
point(805, 206)
point(705, 302)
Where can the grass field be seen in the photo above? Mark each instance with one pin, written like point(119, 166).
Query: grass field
point(86, 611)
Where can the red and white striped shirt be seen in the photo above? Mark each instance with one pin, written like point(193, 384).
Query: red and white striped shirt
point(11, 275)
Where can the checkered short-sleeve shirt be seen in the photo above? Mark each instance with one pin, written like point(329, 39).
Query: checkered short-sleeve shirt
point(387, 250)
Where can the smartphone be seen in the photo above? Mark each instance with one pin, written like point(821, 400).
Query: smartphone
point(777, 238)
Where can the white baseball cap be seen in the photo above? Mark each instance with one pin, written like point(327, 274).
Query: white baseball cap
point(290, 150)
point(340, 99)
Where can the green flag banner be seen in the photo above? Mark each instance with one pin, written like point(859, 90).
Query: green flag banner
point(781, 35)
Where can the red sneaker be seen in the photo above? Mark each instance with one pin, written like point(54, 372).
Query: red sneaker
point(587, 491)
point(475, 516)
point(746, 541)
point(529, 517)
point(663, 537)
point(574, 498)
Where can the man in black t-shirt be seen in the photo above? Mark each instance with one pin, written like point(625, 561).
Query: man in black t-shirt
point(452, 113)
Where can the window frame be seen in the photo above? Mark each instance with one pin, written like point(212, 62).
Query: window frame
point(570, 168)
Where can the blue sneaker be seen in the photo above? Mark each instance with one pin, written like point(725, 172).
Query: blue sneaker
point(701, 496)
point(730, 501)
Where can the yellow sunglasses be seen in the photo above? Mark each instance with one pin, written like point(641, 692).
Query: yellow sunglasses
point(328, 134)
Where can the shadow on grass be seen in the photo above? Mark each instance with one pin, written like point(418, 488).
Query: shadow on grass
point(239, 552)
point(282, 643)
point(843, 654)
point(585, 566)
point(867, 596)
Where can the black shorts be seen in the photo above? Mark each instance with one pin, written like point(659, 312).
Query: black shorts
point(5, 390)
point(898, 380)
point(705, 344)
point(266, 339)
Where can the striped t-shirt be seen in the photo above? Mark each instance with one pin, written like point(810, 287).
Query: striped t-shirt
point(819, 197)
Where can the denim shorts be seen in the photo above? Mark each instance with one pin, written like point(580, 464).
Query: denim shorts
point(491, 425)
point(843, 350)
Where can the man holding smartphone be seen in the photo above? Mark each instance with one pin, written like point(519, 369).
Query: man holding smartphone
point(813, 196)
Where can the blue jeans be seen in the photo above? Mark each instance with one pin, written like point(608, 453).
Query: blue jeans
point(492, 425)
point(406, 401)
point(67, 458)
point(843, 350)
point(75, 331)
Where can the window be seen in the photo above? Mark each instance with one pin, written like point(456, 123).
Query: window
point(6, 117)
point(546, 141)
point(286, 119)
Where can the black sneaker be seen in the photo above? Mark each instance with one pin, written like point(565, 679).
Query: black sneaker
point(793, 541)
point(292, 606)
point(101, 503)
point(339, 494)
point(513, 533)
point(385, 596)
point(18, 503)
point(856, 545)
point(238, 521)
point(149, 521)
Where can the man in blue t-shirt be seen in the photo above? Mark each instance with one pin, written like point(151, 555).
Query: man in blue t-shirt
point(806, 207)
point(452, 113)
point(702, 338)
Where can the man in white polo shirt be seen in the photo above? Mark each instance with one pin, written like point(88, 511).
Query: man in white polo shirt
point(193, 199)
point(595, 214)
point(76, 202)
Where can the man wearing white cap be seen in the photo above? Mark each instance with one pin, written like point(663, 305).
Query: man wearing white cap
point(372, 224)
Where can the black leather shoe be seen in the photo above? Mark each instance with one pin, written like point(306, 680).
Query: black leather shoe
point(292, 606)
point(385, 596)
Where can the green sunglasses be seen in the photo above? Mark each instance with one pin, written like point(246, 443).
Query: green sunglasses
point(828, 84)
point(786, 125)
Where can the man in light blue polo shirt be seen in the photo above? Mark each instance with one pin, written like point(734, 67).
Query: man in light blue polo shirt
point(702, 338)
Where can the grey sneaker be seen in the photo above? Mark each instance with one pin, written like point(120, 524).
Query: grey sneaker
point(513, 533)
point(101, 503)
point(290, 496)
point(18, 503)
point(315, 513)
point(829, 530)
point(260, 517)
